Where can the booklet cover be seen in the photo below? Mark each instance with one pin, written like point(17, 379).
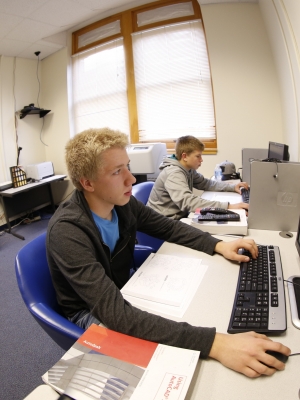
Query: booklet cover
point(104, 364)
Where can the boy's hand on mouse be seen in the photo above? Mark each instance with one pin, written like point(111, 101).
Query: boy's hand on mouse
point(246, 353)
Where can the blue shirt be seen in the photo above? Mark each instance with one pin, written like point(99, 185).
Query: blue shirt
point(109, 229)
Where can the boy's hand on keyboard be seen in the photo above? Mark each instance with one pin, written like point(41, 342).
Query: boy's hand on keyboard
point(240, 185)
point(244, 206)
point(246, 353)
point(230, 250)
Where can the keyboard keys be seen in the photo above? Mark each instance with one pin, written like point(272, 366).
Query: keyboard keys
point(219, 217)
point(260, 299)
point(245, 195)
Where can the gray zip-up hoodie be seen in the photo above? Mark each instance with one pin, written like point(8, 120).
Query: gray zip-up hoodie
point(86, 276)
point(172, 194)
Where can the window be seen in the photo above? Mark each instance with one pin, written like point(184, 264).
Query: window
point(99, 88)
point(146, 72)
point(173, 83)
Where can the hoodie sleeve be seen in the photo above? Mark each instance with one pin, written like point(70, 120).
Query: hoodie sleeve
point(157, 225)
point(201, 183)
point(183, 197)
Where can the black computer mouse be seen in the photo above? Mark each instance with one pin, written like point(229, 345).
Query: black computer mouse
point(281, 357)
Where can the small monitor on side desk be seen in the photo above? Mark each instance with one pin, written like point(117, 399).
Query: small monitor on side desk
point(278, 151)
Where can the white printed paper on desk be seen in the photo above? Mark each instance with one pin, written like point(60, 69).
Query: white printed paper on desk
point(231, 197)
point(165, 283)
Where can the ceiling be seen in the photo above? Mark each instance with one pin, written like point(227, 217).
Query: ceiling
point(28, 26)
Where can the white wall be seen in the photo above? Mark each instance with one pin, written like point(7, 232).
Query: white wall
point(57, 129)
point(20, 87)
point(246, 90)
point(55, 94)
point(282, 22)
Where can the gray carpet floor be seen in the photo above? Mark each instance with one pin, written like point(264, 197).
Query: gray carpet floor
point(27, 352)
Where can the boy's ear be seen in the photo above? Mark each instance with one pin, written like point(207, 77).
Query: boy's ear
point(86, 184)
point(183, 156)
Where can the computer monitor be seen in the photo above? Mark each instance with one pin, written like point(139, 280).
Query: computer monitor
point(275, 196)
point(278, 151)
point(298, 238)
point(294, 289)
point(249, 155)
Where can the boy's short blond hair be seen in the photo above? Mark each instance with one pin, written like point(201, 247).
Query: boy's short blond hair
point(83, 152)
point(187, 144)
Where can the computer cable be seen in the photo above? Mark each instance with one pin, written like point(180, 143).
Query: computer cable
point(293, 283)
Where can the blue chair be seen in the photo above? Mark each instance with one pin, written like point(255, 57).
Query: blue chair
point(141, 192)
point(35, 284)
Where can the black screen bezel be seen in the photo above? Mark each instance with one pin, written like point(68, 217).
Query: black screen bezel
point(284, 150)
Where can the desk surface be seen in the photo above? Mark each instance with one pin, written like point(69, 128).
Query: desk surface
point(212, 381)
point(42, 392)
point(14, 191)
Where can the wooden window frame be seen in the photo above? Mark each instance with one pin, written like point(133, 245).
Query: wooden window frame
point(128, 23)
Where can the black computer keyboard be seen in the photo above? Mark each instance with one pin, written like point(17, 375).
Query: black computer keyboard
point(219, 217)
point(245, 195)
point(259, 303)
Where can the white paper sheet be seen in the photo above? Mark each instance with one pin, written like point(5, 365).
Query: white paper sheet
point(165, 284)
point(232, 197)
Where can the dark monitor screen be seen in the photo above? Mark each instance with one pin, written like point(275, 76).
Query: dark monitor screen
point(279, 151)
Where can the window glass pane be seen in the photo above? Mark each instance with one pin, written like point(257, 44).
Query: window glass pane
point(99, 33)
point(173, 83)
point(99, 88)
point(165, 13)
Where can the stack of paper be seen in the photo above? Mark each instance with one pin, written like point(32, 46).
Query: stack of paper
point(165, 284)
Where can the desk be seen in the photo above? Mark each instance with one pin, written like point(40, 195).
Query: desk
point(212, 381)
point(44, 392)
point(16, 201)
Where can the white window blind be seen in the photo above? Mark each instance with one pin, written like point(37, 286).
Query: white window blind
point(164, 13)
point(99, 33)
point(99, 88)
point(173, 83)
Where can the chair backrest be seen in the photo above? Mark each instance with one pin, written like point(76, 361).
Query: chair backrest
point(141, 192)
point(35, 284)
